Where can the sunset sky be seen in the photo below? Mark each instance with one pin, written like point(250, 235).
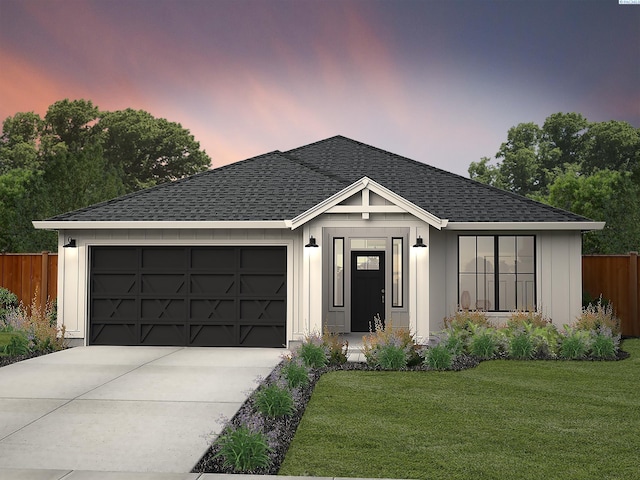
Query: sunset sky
point(437, 81)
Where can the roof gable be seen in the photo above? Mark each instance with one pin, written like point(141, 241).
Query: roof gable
point(338, 204)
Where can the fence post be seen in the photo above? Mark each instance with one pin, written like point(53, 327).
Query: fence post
point(633, 294)
point(44, 282)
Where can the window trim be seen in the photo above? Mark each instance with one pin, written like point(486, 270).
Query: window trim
point(333, 273)
point(397, 298)
point(496, 271)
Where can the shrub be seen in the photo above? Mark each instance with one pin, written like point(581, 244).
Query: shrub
point(521, 318)
point(464, 318)
point(391, 357)
point(521, 346)
point(18, 345)
point(47, 337)
point(274, 401)
point(604, 345)
point(15, 319)
point(575, 344)
point(336, 347)
point(8, 300)
point(295, 373)
point(243, 449)
point(438, 357)
point(595, 316)
point(588, 299)
point(312, 352)
point(456, 341)
point(392, 341)
point(383, 334)
point(484, 343)
point(546, 340)
point(37, 324)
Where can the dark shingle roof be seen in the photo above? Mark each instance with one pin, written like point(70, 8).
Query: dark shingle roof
point(280, 186)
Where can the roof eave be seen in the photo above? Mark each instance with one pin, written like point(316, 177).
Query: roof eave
point(152, 224)
point(570, 225)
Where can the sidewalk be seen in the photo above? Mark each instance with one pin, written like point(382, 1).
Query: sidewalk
point(9, 474)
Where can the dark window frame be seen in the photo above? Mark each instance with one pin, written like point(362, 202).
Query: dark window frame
point(496, 271)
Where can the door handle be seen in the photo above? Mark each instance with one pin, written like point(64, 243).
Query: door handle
point(382, 292)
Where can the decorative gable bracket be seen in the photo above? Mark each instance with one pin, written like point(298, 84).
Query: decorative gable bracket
point(365, 186)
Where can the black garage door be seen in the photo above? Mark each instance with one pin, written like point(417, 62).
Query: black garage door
point(195, 296)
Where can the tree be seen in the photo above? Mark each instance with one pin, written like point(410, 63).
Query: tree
point(592, 169)
point(606, 195)
point(77, 156)
point(612, 145)
point(18, 143)
point(483, 172)
point(18, 206)
point(72, 123)
point(149, 151)
point(73, 180)
point(561, 141)
point(519, 170)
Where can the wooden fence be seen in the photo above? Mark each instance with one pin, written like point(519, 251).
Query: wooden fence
point(27, 273)
point(615, 277)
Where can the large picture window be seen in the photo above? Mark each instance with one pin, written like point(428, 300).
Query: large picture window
point(497, 272)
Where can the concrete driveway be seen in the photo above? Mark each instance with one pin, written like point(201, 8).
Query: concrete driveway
point(123, 409)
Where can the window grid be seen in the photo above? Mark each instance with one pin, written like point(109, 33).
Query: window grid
point(501, 280)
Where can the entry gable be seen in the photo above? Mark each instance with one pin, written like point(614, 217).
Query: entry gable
point(359, 198)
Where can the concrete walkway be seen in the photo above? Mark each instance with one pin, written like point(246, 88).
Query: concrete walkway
point(11, 474)
point(88, 410)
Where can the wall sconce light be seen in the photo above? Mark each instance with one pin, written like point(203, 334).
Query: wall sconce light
point(419, 242)
point(312, 242)
point(70, 244)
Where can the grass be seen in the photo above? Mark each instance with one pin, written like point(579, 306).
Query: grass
point(501, 420)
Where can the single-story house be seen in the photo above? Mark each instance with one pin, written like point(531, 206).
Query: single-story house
point(267, 250)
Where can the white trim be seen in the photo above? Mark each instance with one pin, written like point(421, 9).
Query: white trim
point(525, 226)
point(400, 205)
point(74, 274)
point(366, 209)
point(137, 225)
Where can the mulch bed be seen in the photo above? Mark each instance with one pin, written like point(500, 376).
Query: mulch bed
point(8, 360)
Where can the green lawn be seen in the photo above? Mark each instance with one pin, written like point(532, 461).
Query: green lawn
point(501, 420)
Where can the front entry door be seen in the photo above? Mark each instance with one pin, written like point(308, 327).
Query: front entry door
point(367, 289)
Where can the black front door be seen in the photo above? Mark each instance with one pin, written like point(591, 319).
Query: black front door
point(367, 289)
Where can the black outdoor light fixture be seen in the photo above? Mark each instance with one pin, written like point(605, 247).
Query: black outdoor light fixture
point(312, 242)
point(70, 244)
point(419, 242)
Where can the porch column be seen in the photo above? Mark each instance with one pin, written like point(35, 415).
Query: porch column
point(419, 285)
point(69, 313)
point(312, 281)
